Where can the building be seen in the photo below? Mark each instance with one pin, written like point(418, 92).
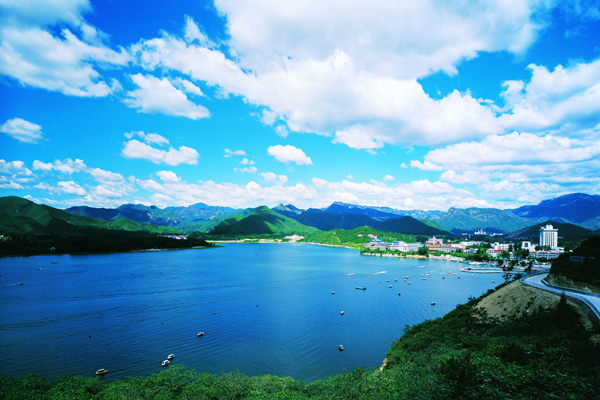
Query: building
point(399, 246)
point(527, 246)
point(549, 236)
point(433, 241)
point(294, 238)
point(501, 246)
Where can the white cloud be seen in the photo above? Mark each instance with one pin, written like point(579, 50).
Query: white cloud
point(193, 33)
point(10, 184)
point(282, 131)
point(251, 170)
point(14, 173)
point(137, 149)
point(62, 187)
point(66, 64)
point(349, 177)
point(105, 176)
point(148, 137)
point(289, 154)
point(426, 166)
point(23, 131)
point(271, 177)
point(388, 177)
point(43, 166)
point(396, 39)
point(67, 166)
point(187, 86)
point(565, 101)
point(229, 153)
point(245, 161)
point(160, 96)
point(168, 176)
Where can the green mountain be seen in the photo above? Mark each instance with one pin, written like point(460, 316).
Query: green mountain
point(107, 214)
point(566, 231)
point(490, 219)
point(19, 215)
point(200, 212)
point(356, 237)
point(435, 225)
point(329, 221)
point(261, 221)
point(409, 225)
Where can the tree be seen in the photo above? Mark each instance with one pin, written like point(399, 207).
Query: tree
point(423, 251)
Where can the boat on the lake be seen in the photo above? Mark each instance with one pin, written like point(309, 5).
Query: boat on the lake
point(361, 288)
point(101, 371)
point(170, 356)
point(165, 363)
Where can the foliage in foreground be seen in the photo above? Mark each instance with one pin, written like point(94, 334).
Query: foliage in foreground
point(465, 355)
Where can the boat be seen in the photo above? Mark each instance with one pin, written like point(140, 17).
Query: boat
point(433, 303)
point(200, 334)
point(165, 363)
point(361, 288)
point(341, 348)
point(390, 286)
point(101, 371)
point(170, 356)
point(332, 292)
point(342, 313)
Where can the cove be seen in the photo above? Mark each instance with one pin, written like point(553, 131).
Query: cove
point(264, 309)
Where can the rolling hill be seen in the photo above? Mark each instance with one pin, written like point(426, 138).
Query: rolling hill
point(18, 215)
point(409, 225)
point(566, 231)
point(260, 222)
point(328, 221)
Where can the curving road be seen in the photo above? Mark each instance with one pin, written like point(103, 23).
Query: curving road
point(592, 299)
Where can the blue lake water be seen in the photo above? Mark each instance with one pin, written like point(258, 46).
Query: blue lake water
point(264, 308)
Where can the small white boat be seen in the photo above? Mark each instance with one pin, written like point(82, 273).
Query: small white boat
point(433, 303)
point(390, 286)
point(165, 363)
point(101, 371)
point(342, 313)
point(341, 348)
point(200, 334)
point(332, 292)
point(170, 356)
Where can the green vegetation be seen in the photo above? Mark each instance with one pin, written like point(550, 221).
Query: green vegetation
point(21, 216)
point(262, 221)
point(351, 238)
point(95, 241)
point(587, 271)
point(545, 354)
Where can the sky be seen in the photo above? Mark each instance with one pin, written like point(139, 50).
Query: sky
point(411, 105)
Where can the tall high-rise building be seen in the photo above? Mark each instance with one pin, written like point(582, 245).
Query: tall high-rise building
point(548, 236)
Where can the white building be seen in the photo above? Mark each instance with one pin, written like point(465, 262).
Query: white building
point(527, 246)
point(399, 246)
point(501, 246)
point(549, 236)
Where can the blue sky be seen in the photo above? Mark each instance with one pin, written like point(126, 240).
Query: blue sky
point(244, 103)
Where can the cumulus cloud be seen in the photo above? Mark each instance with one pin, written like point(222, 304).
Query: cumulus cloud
point(245, 161)
point(565, 100)
point(425, 166)
point(289, 153)
point(23, 131)
point(160, 96)
point(251, 170)
point(67, 166)
point(388, 177)
point(137, 149)
point(67, 61)
point(168, 176)
point(229, 153)
point(271, 177)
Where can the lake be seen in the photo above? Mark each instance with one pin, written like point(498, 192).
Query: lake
point(264, 309)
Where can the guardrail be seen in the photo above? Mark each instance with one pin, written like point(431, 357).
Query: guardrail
point(589, 309)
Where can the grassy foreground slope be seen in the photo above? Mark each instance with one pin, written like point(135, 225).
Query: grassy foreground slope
point(543, 354)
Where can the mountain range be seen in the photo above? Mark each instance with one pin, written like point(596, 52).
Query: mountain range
point(577, 210)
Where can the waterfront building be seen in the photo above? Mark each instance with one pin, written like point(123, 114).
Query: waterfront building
point(549, 236)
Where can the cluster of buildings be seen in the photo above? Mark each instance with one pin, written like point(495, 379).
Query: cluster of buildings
point(548, 238)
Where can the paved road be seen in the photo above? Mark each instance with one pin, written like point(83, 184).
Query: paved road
point(592, 298)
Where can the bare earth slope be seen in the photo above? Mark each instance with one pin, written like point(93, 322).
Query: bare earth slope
point(514, 299)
